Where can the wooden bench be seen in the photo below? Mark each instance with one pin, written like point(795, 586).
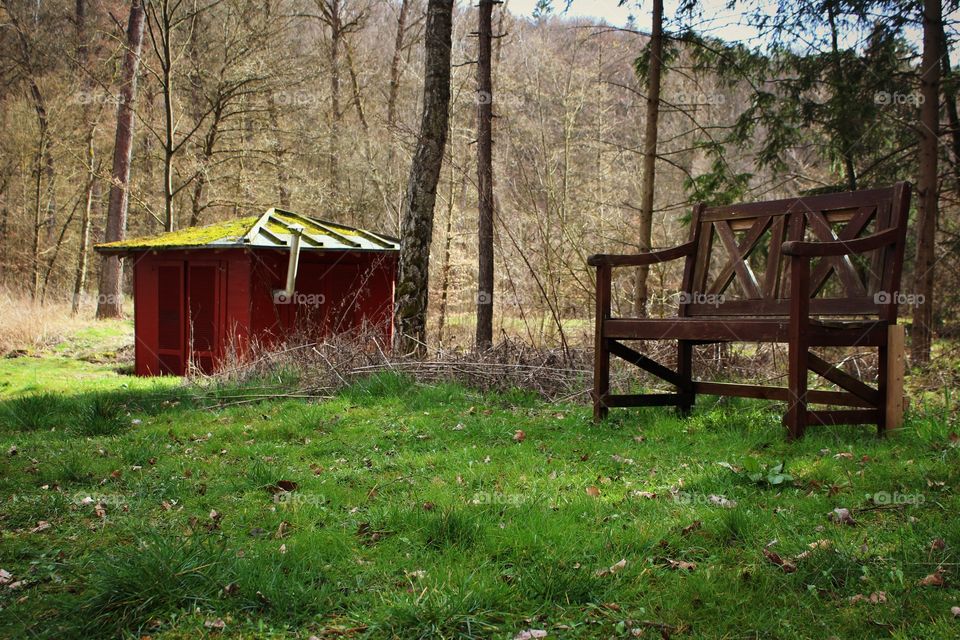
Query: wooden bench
point(814, 271)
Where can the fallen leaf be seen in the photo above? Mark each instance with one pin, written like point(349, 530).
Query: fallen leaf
point(283, 548)
point(419, 573)
point(215, 625)
point(612, 569)
point(519, 436)
point(846, 455)
point(937, 544)
point(621, 460)
point(820, 544)
point(955, 611)
point(690, 528)
point(283, 530)
point(13, 586)
point(593, 492)
point(42, 525)
point(530, 634)
point(100, 510)
point(877, 597)
point(722, 501)
point(12, 451)
point(429, 506)
point(5, 577)
point(842, 516)
point(681, 565)
point(283, 486)
point(639, 439)
point(775, 558)
point(644, 494)
point(935, 579)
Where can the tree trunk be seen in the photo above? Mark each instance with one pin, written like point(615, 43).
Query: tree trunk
point(649, 154)
point(90, 200)
point(336, 35)
point(927, 181)
point(395, 66)
point(949, 90)
point(109, 300)
point(484, 337)
point(417, 211)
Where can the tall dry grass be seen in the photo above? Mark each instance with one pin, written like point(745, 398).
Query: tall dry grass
point(27, 326)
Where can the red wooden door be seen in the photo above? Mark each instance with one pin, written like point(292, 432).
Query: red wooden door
point(203, 320)
point(170, 338)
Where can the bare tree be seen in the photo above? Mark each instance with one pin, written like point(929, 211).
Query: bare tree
point(417, 212)
point(484, 336)
point(927, 180)
point(109, 300)
point(654, 68)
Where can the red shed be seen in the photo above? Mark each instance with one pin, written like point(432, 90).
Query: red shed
point(205, 291)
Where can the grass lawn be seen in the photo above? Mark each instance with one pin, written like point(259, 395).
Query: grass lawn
point(138, 508)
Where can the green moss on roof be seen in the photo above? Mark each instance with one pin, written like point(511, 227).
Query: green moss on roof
point(228, 231)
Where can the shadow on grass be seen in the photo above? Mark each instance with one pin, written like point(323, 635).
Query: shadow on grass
point(90, 413)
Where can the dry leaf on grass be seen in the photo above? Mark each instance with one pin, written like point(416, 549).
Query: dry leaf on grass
point(215, 625)
point(519, 436)
point(644, 494)
point(877, 597)
point(937, 544)
point(5, 577)
point(612, 569)
point(593, 492)
point(935, 579)
point(774, 557)
point(681, 565)
point(955, 611)
point(42, 525)
point(722, 501)
point(530, 634)
point(690, 528)
point(842, 516)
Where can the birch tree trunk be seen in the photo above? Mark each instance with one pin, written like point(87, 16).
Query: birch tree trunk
point(417, 211)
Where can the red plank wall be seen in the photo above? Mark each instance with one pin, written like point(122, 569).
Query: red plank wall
point(337, 292)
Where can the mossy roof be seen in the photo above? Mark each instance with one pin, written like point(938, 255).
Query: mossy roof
point(274, 229)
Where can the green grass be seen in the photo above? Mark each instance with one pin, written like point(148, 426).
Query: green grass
point(417, 515)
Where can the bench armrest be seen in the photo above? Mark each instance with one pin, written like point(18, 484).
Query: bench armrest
point(841, 247)
point(640, 259)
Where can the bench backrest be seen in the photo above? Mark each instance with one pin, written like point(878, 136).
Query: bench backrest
point(737, 268)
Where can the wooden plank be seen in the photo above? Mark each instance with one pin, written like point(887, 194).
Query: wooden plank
point(647, 364)
point(825, 202)
point(745, 277)
point(743, 248)
point(771, 278)
point(853, 228)
point(843, 416)
point(642, 400)
point(759, 392)
point(843, 380)
point(895, 371)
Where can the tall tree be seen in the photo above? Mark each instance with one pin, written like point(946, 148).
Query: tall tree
point(484, 337)
point(417, 211)
point(927, 190)
point(654, 68)
point(89, 122)
point(109, 300)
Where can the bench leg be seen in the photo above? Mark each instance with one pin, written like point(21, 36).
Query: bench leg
point(685, 371)
point(890, 380)
point(796, 417)
point(601, 379)
point(601, 346)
